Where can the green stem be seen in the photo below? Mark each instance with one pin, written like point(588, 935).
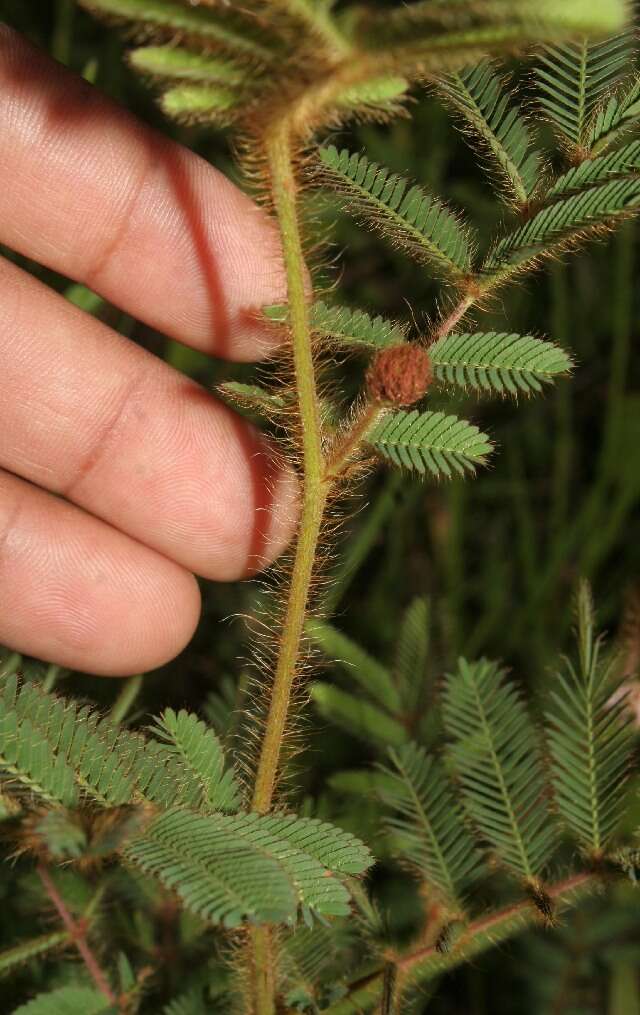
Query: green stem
point(63, 31)
point(125, 699)
point(347, 445)
point(284, 189)
point(262, 971)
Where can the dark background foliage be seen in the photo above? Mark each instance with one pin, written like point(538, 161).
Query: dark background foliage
point(498, 556)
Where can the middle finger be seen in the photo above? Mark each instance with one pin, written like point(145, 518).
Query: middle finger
point(89, 415)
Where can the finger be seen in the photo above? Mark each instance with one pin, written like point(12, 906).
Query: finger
point(93, 417)
point(90, 192)
point(78, 593)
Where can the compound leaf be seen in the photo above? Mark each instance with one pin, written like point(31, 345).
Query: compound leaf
point(430, 442)
point(248, 867)
point(427, 825)
point(67, 1001)
point(498, 362)
point(490, 114)
point(572, 80)
point(623, 162)
point(201, 752)
point(561, 223)
point(408, 215)
point(590, 735)
point(357, 716)
point(372, 677)
point(498, 763)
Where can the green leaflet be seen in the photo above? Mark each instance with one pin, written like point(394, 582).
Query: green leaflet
point(357, 716)
point(247, 867)
point(202, 24)
point(489, 112)
point(412, 651)
point(590, 735)
point(407, 215)
point(486, 26)
point(498, 362)
point(498, 763)
point(62, 751)
point(344, 326)
point(64, 837)
point(374, 678)
point(622, 162)
point(560, 223)
point(67, 1001)
point(426, 823)
point(572, 79)
point(379, 93)
point(200, 750)
point(183, 64)
point(355, 328)
point(205, 103)
point(251, 396)
point(430, 442)
point(189, 1003)
point(620, 113)
point(12, 958)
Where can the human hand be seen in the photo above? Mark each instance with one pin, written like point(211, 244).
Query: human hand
point(155, 478)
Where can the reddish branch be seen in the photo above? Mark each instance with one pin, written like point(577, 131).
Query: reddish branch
point(78, 933)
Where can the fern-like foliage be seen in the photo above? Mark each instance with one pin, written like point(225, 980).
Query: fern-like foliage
point(498, 362)
point(357, 715)
point(572, 79)
point(178, 63)
point(563, 222)
point(201, 752)
point(411, 653)
point(618, 115)
point(427, 825)
point(430, 442)
point(233, 868)
point(374, 678)
point(62, 752)
point(623, 162)
point(349, 328)
point(590, 738)
point(67, 1001)
point(491, 115)
point(221, 30)
point(408, 215)
point(498, 762)
point(12, 958)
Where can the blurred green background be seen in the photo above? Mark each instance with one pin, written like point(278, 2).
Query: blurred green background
point(498, 556)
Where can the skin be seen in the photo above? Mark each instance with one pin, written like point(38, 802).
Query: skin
point(120, 478)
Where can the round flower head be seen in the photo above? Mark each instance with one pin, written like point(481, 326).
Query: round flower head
point(400, 374)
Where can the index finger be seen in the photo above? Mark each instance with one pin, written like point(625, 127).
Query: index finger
point(91, 192)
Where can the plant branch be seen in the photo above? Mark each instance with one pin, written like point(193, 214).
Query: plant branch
point(347, 445)
point(482, 934)
point(279, 155)
point(77, 933)
point(321, 24)
point(262, 971)
point(451, 320)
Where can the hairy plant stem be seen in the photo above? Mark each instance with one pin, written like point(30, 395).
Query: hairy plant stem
point(262, 971)
point(425, 963)
point(77, 933)
point(278, 145)
point(347, 445)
